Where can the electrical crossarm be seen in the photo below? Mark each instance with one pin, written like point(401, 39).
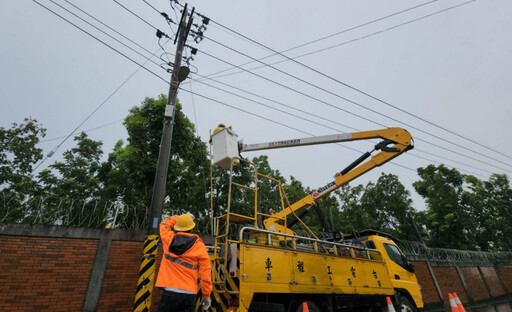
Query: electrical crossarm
point(395, 141)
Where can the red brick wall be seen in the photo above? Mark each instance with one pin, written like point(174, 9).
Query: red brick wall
point(493, 281)
point(52, 274)
point(449, 281)
point(121, 275)
point(428, 287)
point(475, 283)
point(44, 274)
point(506, 273)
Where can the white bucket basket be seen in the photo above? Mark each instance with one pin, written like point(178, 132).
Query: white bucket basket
point(225, 147)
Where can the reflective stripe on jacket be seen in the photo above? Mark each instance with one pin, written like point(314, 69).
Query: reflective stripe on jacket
point(185, 259)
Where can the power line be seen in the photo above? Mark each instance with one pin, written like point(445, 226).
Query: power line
point(101, 41)
point(101, 104)
point(189, 91)
point(275, 122)
point(107, 34)
point(349, 112)
point(86, 130)
point(382, 125)
point(311, 121)
point(365, 93)
point(350, 101)
point(325, 37)
point(135, 15)
point(353, 102)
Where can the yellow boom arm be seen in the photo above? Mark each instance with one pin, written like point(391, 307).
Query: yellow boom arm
point(395, 142)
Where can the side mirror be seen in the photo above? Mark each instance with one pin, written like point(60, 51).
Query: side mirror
point(407, 265)
point(411, 266)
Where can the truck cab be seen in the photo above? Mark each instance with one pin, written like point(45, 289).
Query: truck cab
point(400, 269)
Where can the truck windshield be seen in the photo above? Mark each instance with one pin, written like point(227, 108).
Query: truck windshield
point(395, 255)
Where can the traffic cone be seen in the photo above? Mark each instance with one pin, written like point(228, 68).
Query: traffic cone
point(305, 307)
point(459, 303)
point(391, 308)
point(453, 305)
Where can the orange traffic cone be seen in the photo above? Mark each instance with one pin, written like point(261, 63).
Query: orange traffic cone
point(453, 305)
point(459, 303)
point(391, 308)
point(305, 307)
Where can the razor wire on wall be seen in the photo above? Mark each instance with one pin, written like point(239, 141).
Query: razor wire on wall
point(469, 257)
point(92, 213)
point(53, 210)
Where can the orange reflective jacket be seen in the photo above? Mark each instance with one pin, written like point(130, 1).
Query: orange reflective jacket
point(185, 258)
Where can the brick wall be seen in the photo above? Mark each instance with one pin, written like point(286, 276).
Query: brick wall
point(449, 281)
point(120, 280)
point(428, 287)
point(40, 273)
point(44, 269)
point(506, 273)
point(493, 281)
point(476, 285)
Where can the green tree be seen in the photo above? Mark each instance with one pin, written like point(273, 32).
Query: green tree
point(70, 191)
point(128, 174)
point(383, 206)
point(447, 220)
point(387, 204)
point(18, 155)
point(491, 205)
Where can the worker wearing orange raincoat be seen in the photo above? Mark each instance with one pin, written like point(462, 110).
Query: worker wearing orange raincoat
point(185, 259)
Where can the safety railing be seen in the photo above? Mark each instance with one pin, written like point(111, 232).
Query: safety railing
point(301, 243)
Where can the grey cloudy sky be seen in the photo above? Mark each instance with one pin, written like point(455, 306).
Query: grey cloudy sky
point(451, 68)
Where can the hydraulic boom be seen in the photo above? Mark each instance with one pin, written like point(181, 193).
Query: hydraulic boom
point(395, 141)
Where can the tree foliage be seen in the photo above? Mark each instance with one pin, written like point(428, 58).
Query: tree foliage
point(18, 155)
point(383, 206)
point(462, 212)
point(129, 172)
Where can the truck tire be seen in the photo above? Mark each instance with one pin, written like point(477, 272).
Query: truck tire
point(311, 306)
point(406, 305)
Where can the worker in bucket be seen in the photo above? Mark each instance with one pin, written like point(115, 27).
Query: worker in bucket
point(185, 259)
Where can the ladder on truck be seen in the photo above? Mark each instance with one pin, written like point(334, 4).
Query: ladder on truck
point(224, 279)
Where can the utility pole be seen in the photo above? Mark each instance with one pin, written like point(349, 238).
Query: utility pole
point(146, 279)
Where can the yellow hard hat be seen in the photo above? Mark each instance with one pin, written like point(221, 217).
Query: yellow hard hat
point(184, 223)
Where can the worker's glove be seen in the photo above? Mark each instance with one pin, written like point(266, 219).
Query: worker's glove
point(206, 303)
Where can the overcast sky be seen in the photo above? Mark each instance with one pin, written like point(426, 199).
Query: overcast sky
point(451, 68)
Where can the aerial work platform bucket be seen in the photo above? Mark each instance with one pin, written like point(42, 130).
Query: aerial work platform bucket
point(225, 147)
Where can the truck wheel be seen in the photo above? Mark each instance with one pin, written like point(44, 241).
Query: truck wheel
point(311, 306)
point(406, 305)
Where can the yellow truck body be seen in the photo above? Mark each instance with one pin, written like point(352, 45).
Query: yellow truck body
point(274, 269)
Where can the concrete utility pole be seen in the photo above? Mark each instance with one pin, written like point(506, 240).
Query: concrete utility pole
point(178, 75)
point(146, 279)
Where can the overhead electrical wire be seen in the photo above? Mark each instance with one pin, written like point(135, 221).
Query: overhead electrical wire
point(350, 101)
point(363, 92)
point(142, 66)
point(101, 41)
point(191, 91)
point(353, 102)
point(305, 132)
point(349, 112)
point(86, 130)
point(147, 23)
point(112, 37)
point(109, 27)
point(310, 114)
point(357, 115)
point(325, 37)
point(101, 104)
